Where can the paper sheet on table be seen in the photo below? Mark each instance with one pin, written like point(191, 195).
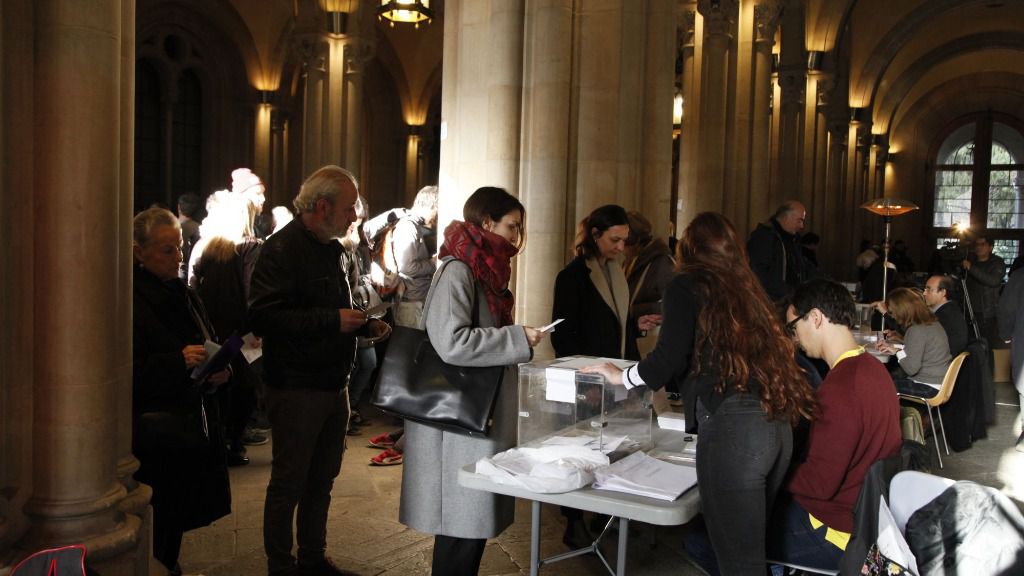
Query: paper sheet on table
point(250, 351)
point(640, 474)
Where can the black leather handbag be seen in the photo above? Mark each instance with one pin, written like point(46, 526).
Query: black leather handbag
point(417, 385)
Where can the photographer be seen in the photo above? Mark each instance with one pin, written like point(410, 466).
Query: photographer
point(984, 273)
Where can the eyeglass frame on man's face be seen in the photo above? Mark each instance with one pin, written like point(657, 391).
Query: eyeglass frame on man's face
point(791, 325)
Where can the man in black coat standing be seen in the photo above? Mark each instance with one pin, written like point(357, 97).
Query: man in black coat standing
point(775, 253)
point(300, 304)
point(937, 293)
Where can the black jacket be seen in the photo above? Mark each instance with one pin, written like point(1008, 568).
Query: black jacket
point(591, 327)
point(951, 316)
point(176, 429)
point(296, 292)
point(777, 260)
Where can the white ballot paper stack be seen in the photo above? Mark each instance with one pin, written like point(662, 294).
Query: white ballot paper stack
point(640, 474)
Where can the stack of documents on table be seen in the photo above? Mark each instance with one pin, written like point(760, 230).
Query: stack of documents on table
point(547, 469)
point(606, 445)
point(640, 474)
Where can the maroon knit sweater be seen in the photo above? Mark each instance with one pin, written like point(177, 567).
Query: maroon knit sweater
point(858, 423)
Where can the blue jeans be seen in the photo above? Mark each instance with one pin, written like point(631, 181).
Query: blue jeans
point(791, 538)
point(908, 386)
point(366, 361)
point(742, 459)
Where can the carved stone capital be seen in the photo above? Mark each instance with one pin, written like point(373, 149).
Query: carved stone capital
point(688, 27)
point(766, 20)
point(826, 85)
point(357, 54)
point(793, 85)
point(719, 16)
point(311, 48)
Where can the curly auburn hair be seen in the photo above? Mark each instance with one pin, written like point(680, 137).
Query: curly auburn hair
point(737, 330)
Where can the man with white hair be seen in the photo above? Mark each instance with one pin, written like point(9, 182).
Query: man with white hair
point(414, 257)
point(775, 254)
point(301, 306)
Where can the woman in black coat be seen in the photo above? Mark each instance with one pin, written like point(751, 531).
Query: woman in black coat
point(177, 436)
point(592, 294)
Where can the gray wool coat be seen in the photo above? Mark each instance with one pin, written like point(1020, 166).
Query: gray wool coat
point(432, 500)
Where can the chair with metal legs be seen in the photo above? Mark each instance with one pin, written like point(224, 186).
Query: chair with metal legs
point(945, 391)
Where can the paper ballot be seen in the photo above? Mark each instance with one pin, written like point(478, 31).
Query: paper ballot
point(561, 377)
point(640, 474)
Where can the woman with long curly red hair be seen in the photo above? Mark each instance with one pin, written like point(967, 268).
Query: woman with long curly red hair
point(742, 388)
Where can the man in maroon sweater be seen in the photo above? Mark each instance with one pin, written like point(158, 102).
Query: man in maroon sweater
point(857, 424)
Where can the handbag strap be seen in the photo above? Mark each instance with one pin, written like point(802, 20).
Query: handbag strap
point(430, 293)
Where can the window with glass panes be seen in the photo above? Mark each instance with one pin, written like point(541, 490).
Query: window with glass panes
point(979, 183)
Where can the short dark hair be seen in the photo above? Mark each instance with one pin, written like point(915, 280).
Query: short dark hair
point(190, 205)
point(946, 283)
point(602, 219)
point(830, 297)
point(494, 203)
point(785, 208)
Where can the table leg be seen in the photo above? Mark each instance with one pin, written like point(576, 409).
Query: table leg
point(620, 562)
point(535, 538)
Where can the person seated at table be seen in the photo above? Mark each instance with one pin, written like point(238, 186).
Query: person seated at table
point(937, 293)
point(857, 423)
point(924, 357)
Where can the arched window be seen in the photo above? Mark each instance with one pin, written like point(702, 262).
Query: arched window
point(979, 182)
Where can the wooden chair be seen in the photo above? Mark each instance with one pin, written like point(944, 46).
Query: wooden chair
point(945, 391)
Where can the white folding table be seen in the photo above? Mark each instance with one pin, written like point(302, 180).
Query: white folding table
point(625, 507)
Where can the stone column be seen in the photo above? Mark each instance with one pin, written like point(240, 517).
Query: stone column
point(835, 238)
point(719, 21)
point(688, 135)
point(655, 158)
point(77, 371)
point(481, 100)
point(544, 177)
point(314, 68)
point(17, 262)
point(357, 53)
point(277, 192)
point(793, 82)
point(766, 18)
point(137, 500)
point(262, 140)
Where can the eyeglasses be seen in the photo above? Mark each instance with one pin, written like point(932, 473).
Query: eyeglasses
point(791, 325)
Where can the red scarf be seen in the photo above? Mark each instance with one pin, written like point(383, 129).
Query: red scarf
point(489, 257)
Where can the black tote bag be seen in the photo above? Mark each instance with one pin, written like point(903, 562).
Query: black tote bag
point(417, 385)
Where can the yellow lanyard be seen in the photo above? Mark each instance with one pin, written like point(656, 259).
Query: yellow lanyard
point(848, 354)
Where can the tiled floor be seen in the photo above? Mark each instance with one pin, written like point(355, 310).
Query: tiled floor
point(364, 534)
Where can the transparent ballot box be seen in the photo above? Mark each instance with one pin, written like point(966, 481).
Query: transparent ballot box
point(559, 404)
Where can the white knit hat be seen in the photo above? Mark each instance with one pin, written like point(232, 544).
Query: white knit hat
point(242, 179)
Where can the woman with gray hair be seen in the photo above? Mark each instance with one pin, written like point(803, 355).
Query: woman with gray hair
point(176, 429)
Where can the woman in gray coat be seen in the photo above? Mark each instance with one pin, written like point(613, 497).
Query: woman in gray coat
point(468, 317)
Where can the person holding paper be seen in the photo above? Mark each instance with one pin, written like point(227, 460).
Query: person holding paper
point(592, 294)
point(468, 315)
point(858, 423)
point(300, 304)
point(740, 383)
point(176, 429)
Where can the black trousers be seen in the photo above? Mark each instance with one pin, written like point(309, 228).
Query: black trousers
point(457, 556)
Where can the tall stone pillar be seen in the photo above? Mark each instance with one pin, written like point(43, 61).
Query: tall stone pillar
point(692, 39)
point(278, 193)
point(655, 158)
point(17, 262)
point(544, 178)
point(137, 501)
point(314, 69)
point(481, 100)
point(719, 21)
point(835, 238)
point(77, 372)
point(793, 82)
point(357, 53)
point(766, 18)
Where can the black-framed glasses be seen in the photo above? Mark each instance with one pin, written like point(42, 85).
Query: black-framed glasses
point(791, 325)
